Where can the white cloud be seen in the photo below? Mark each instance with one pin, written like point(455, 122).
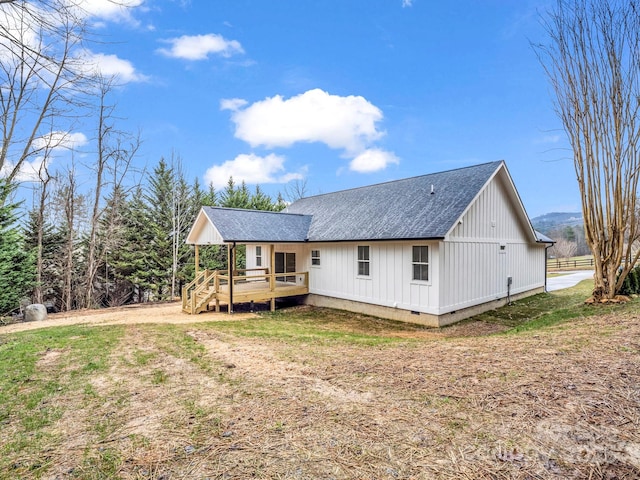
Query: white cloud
point(54, 142)
point(21, 28)
point(407, 3)
point(549, 139)
point(252, 169)
point(232, 104)
point(372, 160)
point(315, 116)
point(23, 21)
point(108, 10)
point(28, 170)
point(110, 66)
point(18, 29)
point(344, 123)
point(198, 47)
point(61, 140)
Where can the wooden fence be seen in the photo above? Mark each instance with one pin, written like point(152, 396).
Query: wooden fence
point(559, 263)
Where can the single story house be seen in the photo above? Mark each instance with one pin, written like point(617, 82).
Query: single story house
point(432, 249)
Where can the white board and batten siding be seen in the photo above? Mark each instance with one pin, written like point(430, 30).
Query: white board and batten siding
point(389, 283)
point(301, 251)
point(491, 243)
point(204, 233)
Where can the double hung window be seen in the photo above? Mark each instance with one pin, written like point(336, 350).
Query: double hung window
point(421, 263)
point(363, 260)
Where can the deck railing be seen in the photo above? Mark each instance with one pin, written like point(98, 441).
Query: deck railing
point(300, 279)
point(212, 285)
point(240, 271)
point(203, 281)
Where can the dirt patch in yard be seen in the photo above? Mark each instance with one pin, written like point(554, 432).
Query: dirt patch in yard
point(195, 401)
point(171, 313)
point(134, 314)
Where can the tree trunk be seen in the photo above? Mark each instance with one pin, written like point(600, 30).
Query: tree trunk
point(593, 63)
point(69, 245)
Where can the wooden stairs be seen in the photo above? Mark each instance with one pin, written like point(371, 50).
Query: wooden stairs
point(197, 295)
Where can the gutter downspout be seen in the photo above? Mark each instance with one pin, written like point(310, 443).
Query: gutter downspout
point(546, 260)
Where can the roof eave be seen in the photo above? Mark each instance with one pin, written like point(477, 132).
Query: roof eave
point(370, 240)
point(263, 241)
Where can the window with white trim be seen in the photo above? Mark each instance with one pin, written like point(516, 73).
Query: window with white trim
point(315, 257)
point(363, 260)
point(258, 256)
point(420, 263)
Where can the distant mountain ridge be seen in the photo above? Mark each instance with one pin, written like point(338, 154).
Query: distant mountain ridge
point(555, 220)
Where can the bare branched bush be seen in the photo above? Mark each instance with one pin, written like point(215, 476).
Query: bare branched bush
point(563, 249)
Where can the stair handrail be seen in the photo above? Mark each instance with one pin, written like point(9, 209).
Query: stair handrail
point(200, 279)
point(189, 286)
point(208, 280)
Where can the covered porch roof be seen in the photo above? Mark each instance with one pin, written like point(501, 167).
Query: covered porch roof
point(218, 226)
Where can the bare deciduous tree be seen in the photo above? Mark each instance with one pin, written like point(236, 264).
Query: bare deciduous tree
point(180, 219)
point(43, 195)
point(41, 73)
point(296, 189)
point(114, 155)
point(102, 156)
point(593, 63)
point(563, 248)
point(68, 195)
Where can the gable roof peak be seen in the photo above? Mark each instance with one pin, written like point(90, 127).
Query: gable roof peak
point(399, 209)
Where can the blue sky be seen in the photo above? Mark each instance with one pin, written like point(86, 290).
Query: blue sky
point(340, 93)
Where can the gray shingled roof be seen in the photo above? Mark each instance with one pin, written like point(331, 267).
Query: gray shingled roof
point(542, 238)
point(237, 225)
point(398, 210)
point(401, 209)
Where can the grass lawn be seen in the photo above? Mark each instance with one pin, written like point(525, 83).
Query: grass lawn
point(544, 388)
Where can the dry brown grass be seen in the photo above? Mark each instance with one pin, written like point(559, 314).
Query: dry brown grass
point(561, 402)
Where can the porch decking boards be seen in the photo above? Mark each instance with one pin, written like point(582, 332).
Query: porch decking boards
point(245, 289)
point(260, 291)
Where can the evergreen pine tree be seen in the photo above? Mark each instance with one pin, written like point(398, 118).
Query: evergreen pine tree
point(260, 201)
point(280, 203)
point(129, 261)
point(202, 198)
point(183, 214)
point(235, 197)
point(158, 222)
point(16, 263)
point(49, 287)
point(114, 288)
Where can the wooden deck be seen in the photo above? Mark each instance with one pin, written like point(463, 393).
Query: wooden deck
point(210, 289)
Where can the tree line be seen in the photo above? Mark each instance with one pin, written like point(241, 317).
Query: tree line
point(81, 250)
point(570, 242)
point(109, 240)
